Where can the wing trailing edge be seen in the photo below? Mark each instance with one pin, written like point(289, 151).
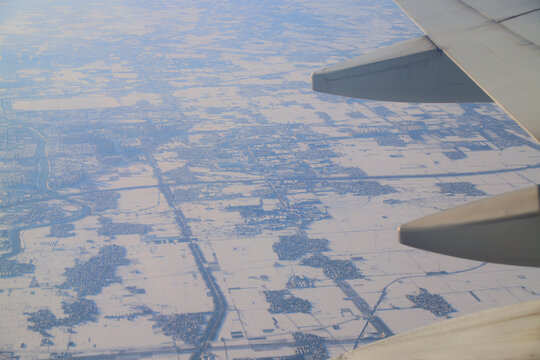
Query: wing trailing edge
point(410, 71)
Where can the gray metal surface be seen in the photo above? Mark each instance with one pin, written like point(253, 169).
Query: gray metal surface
point(525, 26)
point(501, 56)
point(510, 332)
point(501, 229)
point(502, 9)
point(413, 71)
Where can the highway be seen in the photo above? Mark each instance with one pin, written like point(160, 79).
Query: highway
point(220, 304)
point(284, 178)
point(170, 350)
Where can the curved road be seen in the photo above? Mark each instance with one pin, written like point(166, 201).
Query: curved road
point(383, 292)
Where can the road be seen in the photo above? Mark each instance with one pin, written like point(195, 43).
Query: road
point(382, 330)
point(170, 350)
point(385, 289)
point(220, 305)
point(285, 178)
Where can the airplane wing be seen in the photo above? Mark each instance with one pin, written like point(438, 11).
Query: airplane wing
point(495, 42)
point(473, 51)
point(510, 332)
point(501, 229)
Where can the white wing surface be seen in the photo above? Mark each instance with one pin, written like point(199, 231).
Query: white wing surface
point(510, 332)
point(495, 42)
point(474, 50)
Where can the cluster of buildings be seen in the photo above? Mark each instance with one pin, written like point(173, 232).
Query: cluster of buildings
point(90, 277)
point(13, 268)
point(300, 282)
point(78, 312)
point(17, 154)
point(40, 213)
point(42, 320)
point(61, 230)
point(110, 228)
point(461, 188)
point(282, 301)
point(310, 347)
point(340, 270)
point(333, 269)
point(292, 247)
point(434, 303)
point(68, 178)
point(101, 200)
point(362, 188)
point(186, 327)
point(280, 217)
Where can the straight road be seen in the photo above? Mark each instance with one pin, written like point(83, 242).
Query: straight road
point(220, 305)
